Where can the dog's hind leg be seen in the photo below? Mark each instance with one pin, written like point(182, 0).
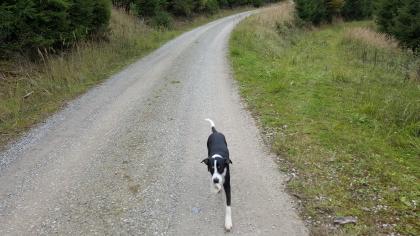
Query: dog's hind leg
point(228, 216)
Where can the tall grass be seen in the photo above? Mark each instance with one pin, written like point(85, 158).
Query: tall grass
point(31, 91)
point(372, 38)
point(374, 48)
point(343, 115)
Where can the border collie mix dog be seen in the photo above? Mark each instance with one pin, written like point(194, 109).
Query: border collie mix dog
point(218, 165)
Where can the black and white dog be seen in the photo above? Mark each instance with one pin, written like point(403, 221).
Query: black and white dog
point(218, 165)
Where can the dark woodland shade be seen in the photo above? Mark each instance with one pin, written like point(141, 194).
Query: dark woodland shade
point(182, 7)
point(357, 9)
point(29, 25)
point(401, 18)
point(318, 11)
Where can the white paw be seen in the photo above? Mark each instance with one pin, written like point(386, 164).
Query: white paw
point(228, 225)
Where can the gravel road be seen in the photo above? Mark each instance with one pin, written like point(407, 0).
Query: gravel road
point(124, 159)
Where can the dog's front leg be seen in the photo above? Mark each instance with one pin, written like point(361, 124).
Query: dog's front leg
point(228, 216)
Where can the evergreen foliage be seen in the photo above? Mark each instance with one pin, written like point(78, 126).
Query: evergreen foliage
point(357, 9)
point(313, 11)
point(401, 18)
point(31, 25)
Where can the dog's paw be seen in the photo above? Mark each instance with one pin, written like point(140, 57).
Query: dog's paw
point(228, 226)
point(216, 188)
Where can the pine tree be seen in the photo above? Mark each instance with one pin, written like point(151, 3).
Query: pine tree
point(29, 25)
point(401, 18)
point(357, 9)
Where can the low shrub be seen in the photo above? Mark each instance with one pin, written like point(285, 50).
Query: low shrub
point(162, 19)
point(148, 7)
point(182, 7)
point(211, 6)
point(257, 3)
point(313, 11)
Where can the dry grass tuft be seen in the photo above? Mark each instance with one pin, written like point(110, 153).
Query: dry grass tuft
point(123, 25)
point(372, 38)
point(279, 17)
point(379, 48)
point(283, 12)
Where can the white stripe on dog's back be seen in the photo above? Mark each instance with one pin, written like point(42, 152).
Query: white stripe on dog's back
point(211, 122)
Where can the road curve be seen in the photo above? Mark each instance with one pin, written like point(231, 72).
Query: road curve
point(124, 159)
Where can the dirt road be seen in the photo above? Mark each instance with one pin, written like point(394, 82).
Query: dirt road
point(124, 159)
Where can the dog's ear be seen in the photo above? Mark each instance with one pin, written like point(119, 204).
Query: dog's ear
point(205, 161)
point(228, 161)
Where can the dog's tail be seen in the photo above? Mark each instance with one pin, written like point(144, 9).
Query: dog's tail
point(212, 125)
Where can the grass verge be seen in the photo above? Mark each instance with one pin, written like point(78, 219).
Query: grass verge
point(30, 92)
point(341, 104)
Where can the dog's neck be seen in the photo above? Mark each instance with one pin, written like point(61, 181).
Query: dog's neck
point(216, 155)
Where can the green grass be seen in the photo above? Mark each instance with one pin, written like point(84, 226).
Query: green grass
point(346, 118)
point(30, 92)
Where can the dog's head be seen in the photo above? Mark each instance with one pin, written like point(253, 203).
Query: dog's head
point(217, 167)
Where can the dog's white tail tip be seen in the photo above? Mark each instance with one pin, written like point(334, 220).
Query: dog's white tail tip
point(211, 122)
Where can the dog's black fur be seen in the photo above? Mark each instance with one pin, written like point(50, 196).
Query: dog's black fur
point(218, 153)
